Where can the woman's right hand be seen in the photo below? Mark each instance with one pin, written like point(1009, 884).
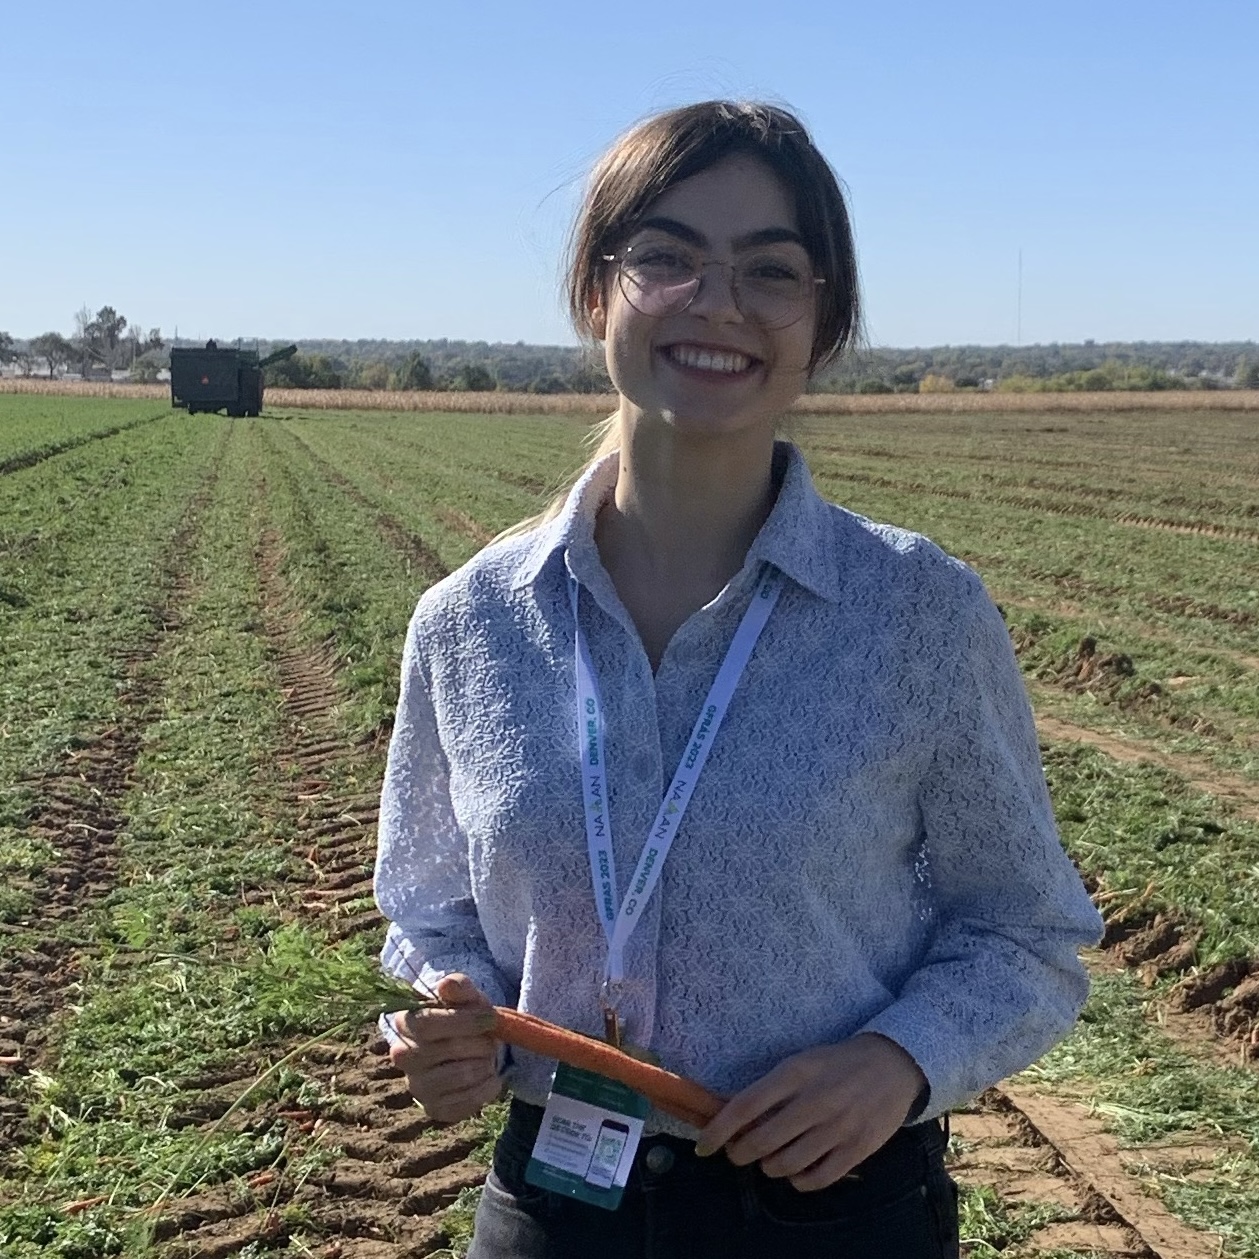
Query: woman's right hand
point(448, 1052)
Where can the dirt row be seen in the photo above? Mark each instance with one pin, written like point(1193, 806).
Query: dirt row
point(383, 1196)
point(78, 811)
point(1058, 507)
point(1111, 677)
point(1218, 1002)
point(1072, 583)
point(423, 560)
point(29, 458)
point(998, 1144)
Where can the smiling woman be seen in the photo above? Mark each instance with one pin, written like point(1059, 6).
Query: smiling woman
point(802, 733)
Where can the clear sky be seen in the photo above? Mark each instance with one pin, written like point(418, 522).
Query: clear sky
point(408, 169)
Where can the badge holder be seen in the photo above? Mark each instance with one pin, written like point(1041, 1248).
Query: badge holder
point(589, 1135)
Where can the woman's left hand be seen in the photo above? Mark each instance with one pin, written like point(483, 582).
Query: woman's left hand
point(819, 1113)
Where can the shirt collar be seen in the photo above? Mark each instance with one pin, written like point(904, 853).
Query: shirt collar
point(798, 538)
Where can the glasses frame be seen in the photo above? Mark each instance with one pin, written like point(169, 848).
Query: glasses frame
point(621, 255)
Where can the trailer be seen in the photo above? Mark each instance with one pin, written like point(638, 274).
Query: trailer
point(220, 379)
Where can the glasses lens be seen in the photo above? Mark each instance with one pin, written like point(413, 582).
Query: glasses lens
point(659, 277)
point(776, 288)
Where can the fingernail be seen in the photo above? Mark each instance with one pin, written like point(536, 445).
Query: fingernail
point(703, 1151)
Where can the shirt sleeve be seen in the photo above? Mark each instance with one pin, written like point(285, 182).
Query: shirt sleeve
point(422, 882)
point(1001, 981)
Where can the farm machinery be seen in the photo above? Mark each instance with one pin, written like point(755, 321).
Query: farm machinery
point(216, 379)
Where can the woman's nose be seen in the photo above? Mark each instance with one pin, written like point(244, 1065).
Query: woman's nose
point(717, 297)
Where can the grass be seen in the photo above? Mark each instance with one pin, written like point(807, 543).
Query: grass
point(1150, 1091)
point(197, 963)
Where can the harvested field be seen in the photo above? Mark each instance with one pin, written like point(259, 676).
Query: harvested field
point(498, 402)
point(200, 625)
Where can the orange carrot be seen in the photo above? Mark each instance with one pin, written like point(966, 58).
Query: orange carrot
point(83, 1204)
point(675, 1095)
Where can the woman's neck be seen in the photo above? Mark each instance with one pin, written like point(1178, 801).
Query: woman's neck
point(685, 509)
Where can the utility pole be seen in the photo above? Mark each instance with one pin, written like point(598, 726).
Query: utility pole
point(1018, 334)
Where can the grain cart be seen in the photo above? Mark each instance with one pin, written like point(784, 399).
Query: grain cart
point(214, 379)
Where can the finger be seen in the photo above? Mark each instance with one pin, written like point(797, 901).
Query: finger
point(742, 1111)
point(780, 1128)
point(459, 991)
point(809, 1150)
point(438, 1023)
point(424, 1057)
point(827, 1170)
point(452, 1107)
point(454, 1077)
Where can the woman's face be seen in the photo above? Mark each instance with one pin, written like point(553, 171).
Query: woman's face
point(715, 367)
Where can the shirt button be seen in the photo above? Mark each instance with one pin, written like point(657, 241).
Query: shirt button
point(659, 1159)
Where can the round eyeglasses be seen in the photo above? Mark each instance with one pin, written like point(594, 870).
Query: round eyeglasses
point(773, 285)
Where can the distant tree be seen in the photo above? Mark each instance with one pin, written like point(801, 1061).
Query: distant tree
point(906, 378)
point(305, 371)
point(370, 375)
point(931, 383)
point(135, 346)
point(7, 352)
point(415, 374)
point(97, 337)
point(550, 383)
point(473, 378)
point(1247, 374)
point(55, 350)
point(470, 378)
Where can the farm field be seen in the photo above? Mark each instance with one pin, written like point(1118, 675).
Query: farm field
point(200, 626)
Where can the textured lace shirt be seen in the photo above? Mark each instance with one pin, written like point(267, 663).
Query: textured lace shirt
point(870, 847)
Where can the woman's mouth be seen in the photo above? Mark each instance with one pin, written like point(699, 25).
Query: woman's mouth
point(705, 359)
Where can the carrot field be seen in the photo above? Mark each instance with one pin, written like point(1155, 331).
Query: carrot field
point(200, 628)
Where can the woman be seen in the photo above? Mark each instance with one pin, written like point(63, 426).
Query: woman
point(866, 917)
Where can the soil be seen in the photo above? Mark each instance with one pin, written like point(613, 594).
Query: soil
point(78, 809)
point(397, 1171)
point(1242, 794)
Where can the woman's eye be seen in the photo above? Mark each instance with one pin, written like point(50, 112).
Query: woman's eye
point(774, 271)
point(661, 258)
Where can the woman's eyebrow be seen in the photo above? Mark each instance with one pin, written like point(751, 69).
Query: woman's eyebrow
point(763, 236)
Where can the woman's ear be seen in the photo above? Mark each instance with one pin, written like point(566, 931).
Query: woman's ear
point(598, 317)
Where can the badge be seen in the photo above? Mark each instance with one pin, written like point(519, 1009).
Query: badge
point(590, 1132)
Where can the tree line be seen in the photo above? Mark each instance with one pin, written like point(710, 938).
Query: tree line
point(105, 341)
point(518, 367)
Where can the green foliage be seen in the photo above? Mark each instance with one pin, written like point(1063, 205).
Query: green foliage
point(987, 1225)
point(181, 978)
point(1110, 375)
point(54, 349)
point(415, 373)
point(1247, 375)
point(305, 371)
point(469, 377)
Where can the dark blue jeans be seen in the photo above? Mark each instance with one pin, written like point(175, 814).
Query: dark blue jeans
point(902, 1205)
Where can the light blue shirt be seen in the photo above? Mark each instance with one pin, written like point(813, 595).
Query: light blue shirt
point(870, 848)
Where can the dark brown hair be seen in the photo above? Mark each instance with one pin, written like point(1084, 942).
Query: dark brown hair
point(664, 150)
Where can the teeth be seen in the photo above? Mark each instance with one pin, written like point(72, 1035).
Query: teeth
point(709, 360)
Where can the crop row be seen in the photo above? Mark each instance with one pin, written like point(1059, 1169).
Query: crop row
point(195, 967)
point(36, 427)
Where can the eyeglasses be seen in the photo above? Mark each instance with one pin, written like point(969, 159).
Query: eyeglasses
point(773, 285)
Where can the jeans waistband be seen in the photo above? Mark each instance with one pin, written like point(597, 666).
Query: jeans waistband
point(906, 1155)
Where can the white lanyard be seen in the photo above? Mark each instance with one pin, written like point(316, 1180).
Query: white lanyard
point(618, 925)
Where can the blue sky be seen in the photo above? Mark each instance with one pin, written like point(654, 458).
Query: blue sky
point(388, 169)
